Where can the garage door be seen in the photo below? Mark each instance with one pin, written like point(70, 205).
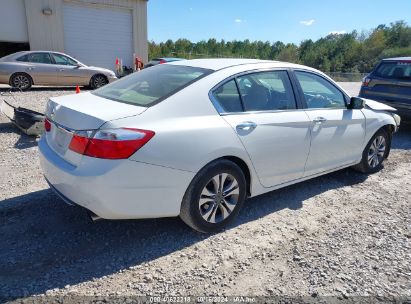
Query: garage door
point(96, 36)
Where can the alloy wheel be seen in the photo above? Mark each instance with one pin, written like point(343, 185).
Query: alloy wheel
point(99, 81)
point(376, 151)
point(218, 198)
point(21, 82)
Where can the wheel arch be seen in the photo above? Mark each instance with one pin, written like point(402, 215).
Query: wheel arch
point(390, 129)
point(25, 73)
point(241, 164)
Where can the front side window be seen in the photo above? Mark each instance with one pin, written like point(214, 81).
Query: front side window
point(152, 85)
point(63, 60)
point(266, 91)
point(319, 92)
point(40, 58)
point(396, 70)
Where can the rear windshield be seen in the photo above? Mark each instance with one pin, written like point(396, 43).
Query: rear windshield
point(151, 86)
point(394, 69)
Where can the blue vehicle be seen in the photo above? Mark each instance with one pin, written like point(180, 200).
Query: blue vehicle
point(390, 83)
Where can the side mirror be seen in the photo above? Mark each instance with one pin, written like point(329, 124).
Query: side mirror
point(356, 103)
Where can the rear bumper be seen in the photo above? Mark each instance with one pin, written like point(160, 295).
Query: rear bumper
point(119, 189)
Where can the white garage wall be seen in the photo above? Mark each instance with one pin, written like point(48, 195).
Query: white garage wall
point(13, 25)
point(46, 32)
point(97, 35)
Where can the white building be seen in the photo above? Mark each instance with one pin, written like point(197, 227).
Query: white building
point(93, 31)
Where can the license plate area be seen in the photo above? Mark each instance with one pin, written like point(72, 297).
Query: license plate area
point(59, 139)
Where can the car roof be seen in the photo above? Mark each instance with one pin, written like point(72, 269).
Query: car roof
point(14, 56)
point(223, 63)
point(397, 58)
point(169, 58)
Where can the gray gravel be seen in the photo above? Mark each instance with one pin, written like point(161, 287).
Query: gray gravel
point(344, 234)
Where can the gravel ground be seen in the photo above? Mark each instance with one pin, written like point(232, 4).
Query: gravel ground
point(343, 235)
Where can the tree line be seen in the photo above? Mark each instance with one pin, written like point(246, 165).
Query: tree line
point(355, 52)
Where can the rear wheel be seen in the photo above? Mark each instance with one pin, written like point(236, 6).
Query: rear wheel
point(98, 81)
point(375, 153)
point(21, 81)
point(214, 197)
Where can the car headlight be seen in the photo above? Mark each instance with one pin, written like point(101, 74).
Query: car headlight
point(111, 74)
point(397, 119)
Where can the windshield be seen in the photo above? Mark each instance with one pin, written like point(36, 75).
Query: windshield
point(151, 86)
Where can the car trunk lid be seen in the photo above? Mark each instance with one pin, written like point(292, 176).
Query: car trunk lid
point(81, 112)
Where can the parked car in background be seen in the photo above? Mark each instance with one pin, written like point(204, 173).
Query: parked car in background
point(390, 83)
point(162, 60)
point(24, 69)
point(194, 138)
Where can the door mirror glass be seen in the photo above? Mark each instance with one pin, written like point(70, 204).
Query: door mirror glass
point(356, 103)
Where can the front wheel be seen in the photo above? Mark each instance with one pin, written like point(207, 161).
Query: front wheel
point(214, 197)
point(375, 153)
point(97, 81)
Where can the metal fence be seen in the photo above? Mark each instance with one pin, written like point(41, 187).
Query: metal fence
point(346, 77)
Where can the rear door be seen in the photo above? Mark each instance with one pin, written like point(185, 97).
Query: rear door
point(42, 69)
point(265, 117)
point(337, 133)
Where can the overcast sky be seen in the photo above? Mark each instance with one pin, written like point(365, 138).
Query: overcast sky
point(268, 20)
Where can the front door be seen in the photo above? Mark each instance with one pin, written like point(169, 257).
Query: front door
point(274, 132)
point(69, 72)
point(337, 133)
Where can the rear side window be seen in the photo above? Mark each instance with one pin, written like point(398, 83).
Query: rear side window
point(228, 97)
point(394, 70)
point(40, 58)
point(24, 58)
point(262, 91)
point(266, 91)
point(151, 86)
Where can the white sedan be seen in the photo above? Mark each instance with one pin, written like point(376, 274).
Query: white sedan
point(196, 138)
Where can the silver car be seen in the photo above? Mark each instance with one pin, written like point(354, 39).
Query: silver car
point(24, 69)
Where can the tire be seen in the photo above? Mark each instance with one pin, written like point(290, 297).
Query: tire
point(205, 206)
point(375, 153)
point(97, 81)
point(21, 81)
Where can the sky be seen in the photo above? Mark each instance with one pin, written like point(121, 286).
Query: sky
point(268, 20)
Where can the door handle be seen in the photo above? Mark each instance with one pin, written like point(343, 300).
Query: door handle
point(246, 126)
point(30, 68)
point(319, 120)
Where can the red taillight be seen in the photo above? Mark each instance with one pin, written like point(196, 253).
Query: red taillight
point(111, 143)
point(162, 61)
point(79, 143)
point(366, 81)
point(47, 125)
